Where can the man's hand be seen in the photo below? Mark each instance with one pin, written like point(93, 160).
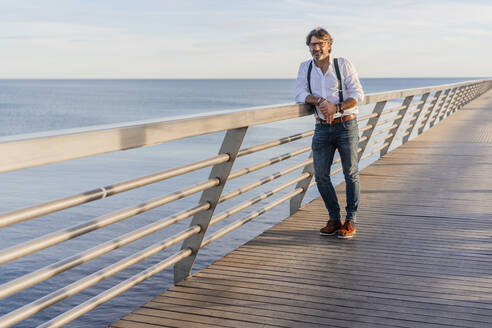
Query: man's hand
point(328, 109)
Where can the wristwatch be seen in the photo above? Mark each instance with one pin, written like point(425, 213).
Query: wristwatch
point(340, 108)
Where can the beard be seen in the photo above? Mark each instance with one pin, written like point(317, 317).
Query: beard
point(320, 55)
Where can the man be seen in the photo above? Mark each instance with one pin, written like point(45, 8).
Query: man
point(336, 126)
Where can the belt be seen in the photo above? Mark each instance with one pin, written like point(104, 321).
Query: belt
point(336, 120)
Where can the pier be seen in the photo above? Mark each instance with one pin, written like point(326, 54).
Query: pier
point(421, 256)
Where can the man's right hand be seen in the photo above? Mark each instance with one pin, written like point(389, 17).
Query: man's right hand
point(328, 109)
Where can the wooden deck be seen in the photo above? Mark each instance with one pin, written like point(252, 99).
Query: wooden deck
point(422, 256)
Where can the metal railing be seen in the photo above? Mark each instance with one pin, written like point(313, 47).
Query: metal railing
point(419, 109)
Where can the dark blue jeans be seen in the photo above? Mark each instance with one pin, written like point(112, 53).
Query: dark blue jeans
point(344, 137)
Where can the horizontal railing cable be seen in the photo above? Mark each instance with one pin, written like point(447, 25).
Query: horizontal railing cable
point(270, 144)
point(40, 275)
point(46, 273)
point(257, 199)
point(367, 127)
point(375, 142)
point(26, 281)
point(102, 192)
point(250, 217)
point(57, 237)
point(367, 117)
point(262, 181)
point(92, 279)
point(111, 293)
point(274, 160)
point(383, 122)
point(107, 191)
point(392, 110)
point(378, 133)
point(375, 151)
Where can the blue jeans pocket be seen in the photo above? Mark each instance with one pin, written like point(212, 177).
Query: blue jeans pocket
point(350, 125)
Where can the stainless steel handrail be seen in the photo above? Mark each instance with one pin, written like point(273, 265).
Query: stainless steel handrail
point(106, 191)
point(103, 192)
point(57, 237)
point(49, 271)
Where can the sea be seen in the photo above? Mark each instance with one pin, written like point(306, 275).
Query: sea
point(37, 106)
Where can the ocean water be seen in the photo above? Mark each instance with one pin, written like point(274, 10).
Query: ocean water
point(30, 106)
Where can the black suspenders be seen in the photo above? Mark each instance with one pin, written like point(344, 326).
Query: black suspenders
point(310, 68)
point(339, 78)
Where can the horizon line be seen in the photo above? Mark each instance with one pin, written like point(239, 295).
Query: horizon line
point(226, 78)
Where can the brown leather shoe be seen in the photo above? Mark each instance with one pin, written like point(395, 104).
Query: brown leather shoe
point(347, 231)
point(331, 228)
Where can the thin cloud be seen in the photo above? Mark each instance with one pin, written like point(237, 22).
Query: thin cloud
point(238, 39)
point(28, 37)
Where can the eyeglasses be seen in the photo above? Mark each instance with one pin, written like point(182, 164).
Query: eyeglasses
point(320, 44)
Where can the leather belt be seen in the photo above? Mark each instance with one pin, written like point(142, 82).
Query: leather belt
point(336, 120)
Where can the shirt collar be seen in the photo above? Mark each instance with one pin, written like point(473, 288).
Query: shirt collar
point(330, 68)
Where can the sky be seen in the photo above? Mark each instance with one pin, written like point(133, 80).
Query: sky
point(241, 39)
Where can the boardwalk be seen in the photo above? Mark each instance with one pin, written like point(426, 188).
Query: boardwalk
point(422, 256)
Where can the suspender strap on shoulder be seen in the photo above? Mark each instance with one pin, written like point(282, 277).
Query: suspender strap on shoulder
point(310, 68)
point(339, 78)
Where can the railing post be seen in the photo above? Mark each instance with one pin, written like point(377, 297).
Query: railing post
point(430, 110)
point(455, 102)
point(464, 98)
point(296, 201)
point(230, 145)
point(477, 88)
point(420, 107)
point(401, 112)
point(441, 106)
point(373, 121)
point(448, 103)
point(451, 104)
point(471, 93)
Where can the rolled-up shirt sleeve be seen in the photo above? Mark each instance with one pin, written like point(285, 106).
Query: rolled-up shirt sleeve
point(352, 83)
point(302, 90)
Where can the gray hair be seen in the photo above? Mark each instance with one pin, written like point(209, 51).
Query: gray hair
point(319, 33)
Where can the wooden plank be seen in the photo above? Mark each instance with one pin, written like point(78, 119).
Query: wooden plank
point(336, 291)
point(242, 316)
point(299, 265)
point(324, 301)
point(406, 280)
point(361, 299)
point(477, 301)
point(133, 324)
point(295, 307)
point(411, 256)
point(400, 271)
point(383, 260)
point(338, 279)
point(178, 319)
point(269, 314)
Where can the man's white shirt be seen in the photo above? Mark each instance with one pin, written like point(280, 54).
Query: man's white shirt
point(326, 85)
